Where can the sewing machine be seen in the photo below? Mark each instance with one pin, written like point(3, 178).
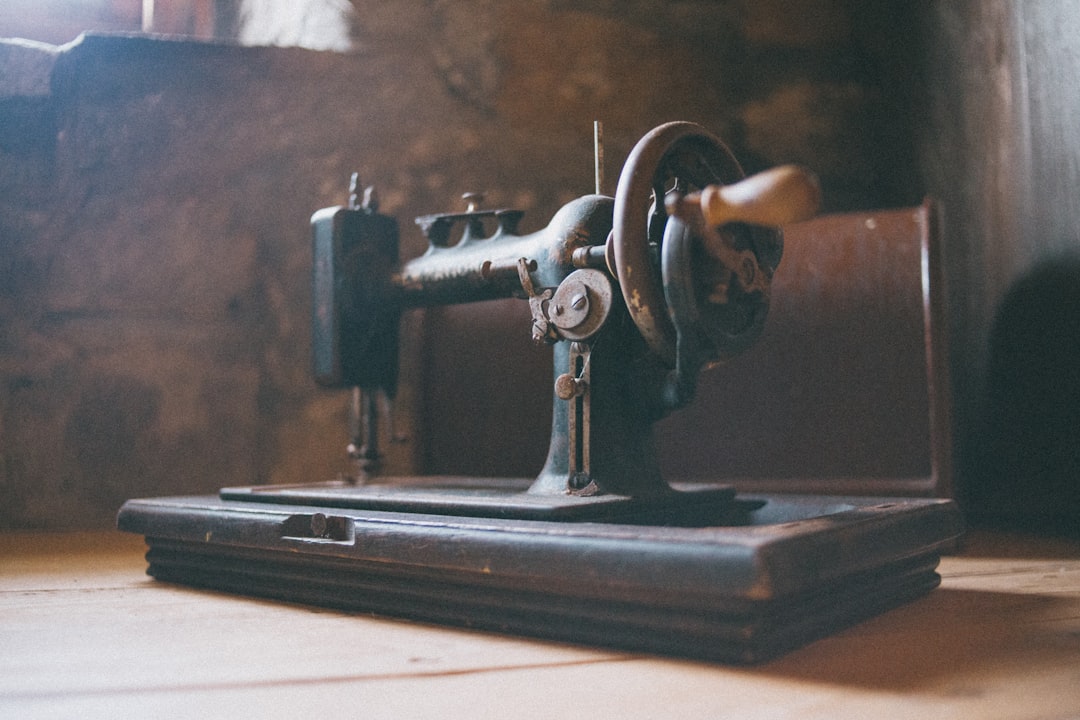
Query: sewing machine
point(637, 294)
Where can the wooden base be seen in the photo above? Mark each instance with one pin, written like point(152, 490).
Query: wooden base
point(797, 569)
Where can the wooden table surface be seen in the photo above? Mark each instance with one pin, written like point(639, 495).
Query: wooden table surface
point(85, 634)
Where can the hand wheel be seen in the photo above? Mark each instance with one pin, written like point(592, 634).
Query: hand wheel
point(697, 284)
point(679, 157)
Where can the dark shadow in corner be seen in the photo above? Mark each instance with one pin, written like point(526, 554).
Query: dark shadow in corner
point(1024, 468)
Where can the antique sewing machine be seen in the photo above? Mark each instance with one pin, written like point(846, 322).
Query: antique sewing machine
point(637, 295)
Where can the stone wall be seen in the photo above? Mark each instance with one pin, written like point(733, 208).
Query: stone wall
point(155, 197)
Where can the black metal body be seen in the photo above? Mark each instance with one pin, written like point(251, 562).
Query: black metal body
point(597, 548)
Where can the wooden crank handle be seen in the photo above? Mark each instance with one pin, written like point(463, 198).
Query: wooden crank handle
point(779, 196)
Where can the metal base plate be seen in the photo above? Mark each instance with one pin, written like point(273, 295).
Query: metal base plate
point(495, 498)
point(790, 570)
